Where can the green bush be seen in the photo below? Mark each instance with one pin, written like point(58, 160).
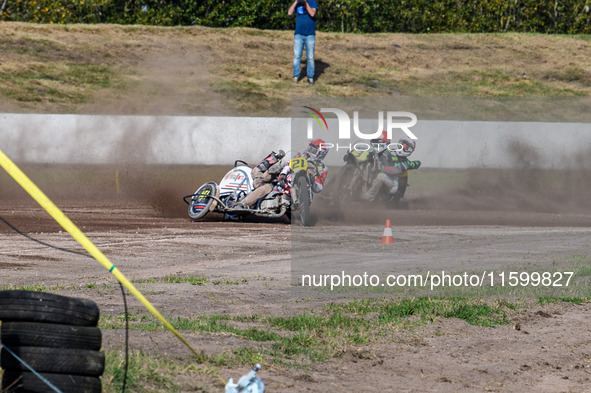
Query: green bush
point(359, 16)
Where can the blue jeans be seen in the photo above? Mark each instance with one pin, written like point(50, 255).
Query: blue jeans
point(299, 41)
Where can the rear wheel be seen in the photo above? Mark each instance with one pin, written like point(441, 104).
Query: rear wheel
point(202, 201)
point(304, 200)
point(402, 184)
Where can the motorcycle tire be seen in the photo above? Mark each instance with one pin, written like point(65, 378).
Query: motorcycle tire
point(31, 306)
point(304, 200)
point(202, 201)
point(402, 185)
point(50, 335)
point(54, 360)
point(25, 381)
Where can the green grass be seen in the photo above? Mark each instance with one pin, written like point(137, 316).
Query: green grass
point(573, 300)
point(230, 282)
point(300, 340)
point(492, 83)
point(248, 96)
point(568, 74)
point(193, 280)
point(146, 373)
point(58, 83)
point(296, 341)
point(39, 287)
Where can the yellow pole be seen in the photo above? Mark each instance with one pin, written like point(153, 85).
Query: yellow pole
point(22, 179)
point(117, 180)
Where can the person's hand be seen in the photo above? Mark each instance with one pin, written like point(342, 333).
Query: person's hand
point(282, 181)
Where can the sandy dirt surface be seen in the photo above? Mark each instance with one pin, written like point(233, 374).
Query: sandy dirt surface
point(545, 348)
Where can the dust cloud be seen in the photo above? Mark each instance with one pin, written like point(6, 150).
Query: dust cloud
point(513, 195)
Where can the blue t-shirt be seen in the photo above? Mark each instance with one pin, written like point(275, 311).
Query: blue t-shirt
point(305, 24)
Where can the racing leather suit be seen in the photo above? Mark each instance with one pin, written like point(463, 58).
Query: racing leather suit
point(392, 166)
point(263, 175)
point(317, 168)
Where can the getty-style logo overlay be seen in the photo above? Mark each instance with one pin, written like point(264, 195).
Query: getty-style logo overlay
point(392, 120)
point(316, 115)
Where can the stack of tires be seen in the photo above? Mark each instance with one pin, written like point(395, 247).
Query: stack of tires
point(57, 336)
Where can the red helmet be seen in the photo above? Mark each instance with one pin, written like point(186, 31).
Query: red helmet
point(317, 149)
point(384, 138)
point(380, 144)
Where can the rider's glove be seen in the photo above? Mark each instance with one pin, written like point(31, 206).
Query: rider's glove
point(414, 165)
point(408, 165)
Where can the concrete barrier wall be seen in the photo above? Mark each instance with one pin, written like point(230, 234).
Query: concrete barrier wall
point(79, 139)
point(75, 139)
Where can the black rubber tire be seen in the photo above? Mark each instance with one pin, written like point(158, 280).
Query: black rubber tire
point(47, 307)
point(24, 381)
point(50, 335)
point(304, 200)
point(402, 185)
point(55, 360)
point(203, 201)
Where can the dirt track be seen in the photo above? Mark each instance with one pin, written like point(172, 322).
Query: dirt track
point(151, 237)
point(507, 219)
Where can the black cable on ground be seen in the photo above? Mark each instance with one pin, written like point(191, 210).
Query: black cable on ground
point(126, 338)
point(42, 242)
point(88, 256)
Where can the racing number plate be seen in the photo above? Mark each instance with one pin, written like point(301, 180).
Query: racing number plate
point(203, 195)
point(298, 163)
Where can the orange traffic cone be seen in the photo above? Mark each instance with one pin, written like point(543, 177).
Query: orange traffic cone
point(388, 237)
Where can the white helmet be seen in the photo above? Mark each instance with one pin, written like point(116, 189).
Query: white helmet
point(317, 149)
point(410, 146)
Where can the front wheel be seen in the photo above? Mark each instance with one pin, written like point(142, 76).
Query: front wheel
point(304, 200)
point(202, 200)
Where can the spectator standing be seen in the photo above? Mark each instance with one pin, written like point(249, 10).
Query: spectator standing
point(305, 34)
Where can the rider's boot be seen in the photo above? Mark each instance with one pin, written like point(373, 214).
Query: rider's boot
point(370, 194)
point(390, 184)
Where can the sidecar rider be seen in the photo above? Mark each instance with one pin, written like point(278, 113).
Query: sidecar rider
point(393, 163)
point(314, 154)
point(263, 176)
